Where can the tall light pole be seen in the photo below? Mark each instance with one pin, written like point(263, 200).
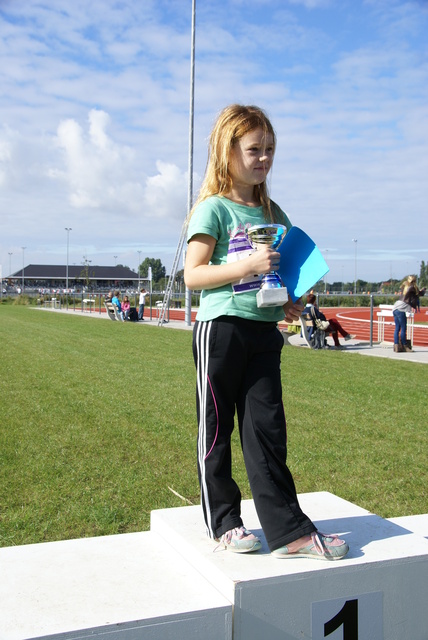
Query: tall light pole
point(68, 229)
point(188, 294)
point(139, 263)
point(10, 263)
point(355, 240)
point(325, 281)
point(115, 261)
point(23, 269)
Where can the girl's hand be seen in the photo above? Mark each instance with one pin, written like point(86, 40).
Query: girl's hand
point(263, 261)
point(293, 310)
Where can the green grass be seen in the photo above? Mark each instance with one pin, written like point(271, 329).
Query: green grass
point(98, 425)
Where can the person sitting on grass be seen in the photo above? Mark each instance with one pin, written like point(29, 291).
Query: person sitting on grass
point(335, 327)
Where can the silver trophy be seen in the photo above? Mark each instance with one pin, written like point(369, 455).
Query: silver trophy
point(272, 291)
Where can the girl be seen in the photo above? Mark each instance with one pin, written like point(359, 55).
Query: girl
point(408, 303)
point(237, 347)
point(126, 307)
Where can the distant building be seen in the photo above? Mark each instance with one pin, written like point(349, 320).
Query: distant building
point(79, 276)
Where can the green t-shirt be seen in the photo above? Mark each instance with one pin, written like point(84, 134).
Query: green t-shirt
point(227, 222)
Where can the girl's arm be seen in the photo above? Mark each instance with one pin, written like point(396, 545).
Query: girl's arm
point(199, 274)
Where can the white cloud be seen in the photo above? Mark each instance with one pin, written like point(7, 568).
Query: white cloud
point(5, 160)
point(312, 4)
point(102, 174)
point(98, 172)
point(165, 193)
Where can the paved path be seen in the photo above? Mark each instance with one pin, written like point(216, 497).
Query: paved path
point(419, 354)
point(172, 324)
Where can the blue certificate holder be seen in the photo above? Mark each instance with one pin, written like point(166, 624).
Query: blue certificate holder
point(302, 264)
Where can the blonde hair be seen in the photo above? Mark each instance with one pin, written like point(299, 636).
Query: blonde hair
point(231, 125)
point(409, 282)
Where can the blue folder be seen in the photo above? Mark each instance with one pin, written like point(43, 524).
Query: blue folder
point(302, 264)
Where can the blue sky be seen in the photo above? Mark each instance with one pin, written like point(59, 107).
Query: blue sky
point(94, 116)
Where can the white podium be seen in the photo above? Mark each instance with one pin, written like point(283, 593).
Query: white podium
point(378, 592)
point(124, 587)
point(170, 584)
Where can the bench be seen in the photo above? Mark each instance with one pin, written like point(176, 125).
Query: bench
point(314, 337)
point(303, 326)
point(112, 311)
point(87, 304)
point(294, 327)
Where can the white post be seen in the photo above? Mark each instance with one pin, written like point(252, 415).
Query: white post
point(68, 229)
point(139, 263)
point(23, 269)
point(355, 266)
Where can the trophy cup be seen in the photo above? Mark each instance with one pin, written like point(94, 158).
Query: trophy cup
point(272, 292)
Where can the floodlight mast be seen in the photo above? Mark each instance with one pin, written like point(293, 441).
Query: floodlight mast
point(188, 294)
point(169, 287)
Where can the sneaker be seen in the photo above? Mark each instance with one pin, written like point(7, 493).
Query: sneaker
point(239, 540)
point(350, 336)
point(321, 547)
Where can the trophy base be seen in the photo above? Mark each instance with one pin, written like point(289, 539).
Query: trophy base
point(272, 297)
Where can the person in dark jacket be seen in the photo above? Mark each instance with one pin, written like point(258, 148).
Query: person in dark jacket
point(334, 328)
point(407, 303)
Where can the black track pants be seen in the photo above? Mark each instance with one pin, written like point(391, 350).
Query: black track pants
point(238, 368)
